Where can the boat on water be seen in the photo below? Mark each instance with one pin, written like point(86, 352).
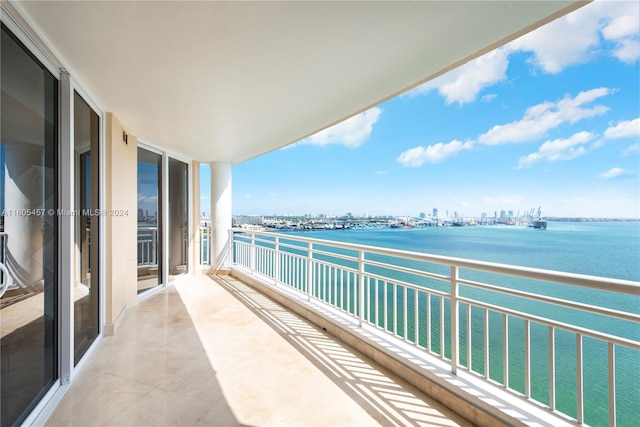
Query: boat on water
point(541, 224)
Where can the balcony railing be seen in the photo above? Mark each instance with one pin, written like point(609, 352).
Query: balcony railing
point(205, 245)
point(562, 340)
point(147, 245)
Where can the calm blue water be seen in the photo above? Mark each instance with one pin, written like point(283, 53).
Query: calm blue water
point(607, 249)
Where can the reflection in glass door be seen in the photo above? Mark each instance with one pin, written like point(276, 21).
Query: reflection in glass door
point(149, 219)
point(86, 289)
point(28, 243)
point(178, 217)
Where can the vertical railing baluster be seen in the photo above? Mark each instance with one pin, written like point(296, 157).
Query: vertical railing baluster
point(394, 306)
point(552, 369)
point(361, 289)
point(442, 352)
point(367, 299)
point(309, 271)
point(324, 283)
point(469, 339)
point(612, 384)
point(579, 381)
point(455, 324)
point(527, 358)
point(336, 303)
point(349, 292)
point(377, 302)
point(252, 255)
point(404, 307)
point(505, 350)
point(384, 308)
point(416, 317)
point(341, 289)
point(486, 343)
point(154, 251)
point(428, 321)
point(276, 261)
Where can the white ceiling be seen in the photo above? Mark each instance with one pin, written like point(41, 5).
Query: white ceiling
point(228, 81)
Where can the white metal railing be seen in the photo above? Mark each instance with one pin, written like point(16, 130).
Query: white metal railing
point(147, 245)
point(508, 331)
point(205, 245)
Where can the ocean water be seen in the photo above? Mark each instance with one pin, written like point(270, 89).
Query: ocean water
point(607, 249)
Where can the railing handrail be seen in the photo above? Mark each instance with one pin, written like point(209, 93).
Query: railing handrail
point(628, 287)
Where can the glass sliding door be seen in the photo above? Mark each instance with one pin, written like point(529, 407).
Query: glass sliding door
point(86, 288)
point(149, 219)
point(28, 231)
point(178, 217)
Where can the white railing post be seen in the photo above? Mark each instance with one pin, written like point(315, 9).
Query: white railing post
point(252, 254)
point(361, 288)
point(455, 327)
point(309, 271)
point(276, 261)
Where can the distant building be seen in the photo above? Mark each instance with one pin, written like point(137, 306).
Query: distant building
point(249, 220)
point(435, 212)
point(422, 215)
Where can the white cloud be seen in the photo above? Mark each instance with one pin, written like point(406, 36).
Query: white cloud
point(463, 84)
point(558, 149)
point(624, 31)
point(489, 97)
point(541, 118)
point(627, 51)
point(147, 199)
point(624, 129)
point(609, 27)
point(576, 37)
point(351, 133)
point(380, 173)
point(417, 156)
point(614, 173)
point(632, 149)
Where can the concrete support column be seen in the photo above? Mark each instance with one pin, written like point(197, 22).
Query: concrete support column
point(220, 214)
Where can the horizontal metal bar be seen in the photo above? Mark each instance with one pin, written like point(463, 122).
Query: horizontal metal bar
point(555, 301)
point(555, 324)
point(581, 280)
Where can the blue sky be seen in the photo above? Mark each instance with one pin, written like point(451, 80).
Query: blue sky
point(551, 119)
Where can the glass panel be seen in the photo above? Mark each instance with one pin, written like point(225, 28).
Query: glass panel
point(28, 303)
point(86, 288)
point(149, 219)
point(178, 217)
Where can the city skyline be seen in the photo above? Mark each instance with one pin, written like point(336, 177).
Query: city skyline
point(551, 119)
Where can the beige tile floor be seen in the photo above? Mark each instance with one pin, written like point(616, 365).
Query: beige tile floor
point(213, 351)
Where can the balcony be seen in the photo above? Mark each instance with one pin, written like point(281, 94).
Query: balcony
point(213, 351)
point(375, 330)
point(513, 344)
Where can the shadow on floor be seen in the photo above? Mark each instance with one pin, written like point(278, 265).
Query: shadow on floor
point(387, 398)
